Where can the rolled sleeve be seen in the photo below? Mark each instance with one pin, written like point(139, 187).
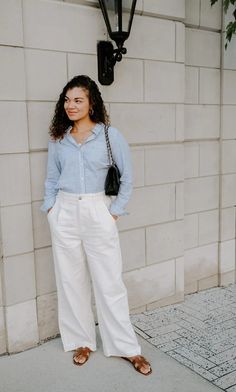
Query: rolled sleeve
point(53, 174)
point(122, 157)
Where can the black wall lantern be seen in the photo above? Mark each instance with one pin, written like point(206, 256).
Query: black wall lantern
point(118, 16)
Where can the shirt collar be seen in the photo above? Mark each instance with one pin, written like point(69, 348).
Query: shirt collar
point(97, 128)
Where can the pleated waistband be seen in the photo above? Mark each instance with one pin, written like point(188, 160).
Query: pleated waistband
point(80, 196)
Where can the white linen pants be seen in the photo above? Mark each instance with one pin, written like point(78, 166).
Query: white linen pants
point(85, 243)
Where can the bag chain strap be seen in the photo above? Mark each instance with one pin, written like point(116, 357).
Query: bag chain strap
point(109, 152)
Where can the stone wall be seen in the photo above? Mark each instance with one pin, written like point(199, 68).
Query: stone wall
point(173, 99)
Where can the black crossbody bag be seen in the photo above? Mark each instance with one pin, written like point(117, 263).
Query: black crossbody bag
point(112, 181)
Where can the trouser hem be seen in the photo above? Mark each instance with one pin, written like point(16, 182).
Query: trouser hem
point(75, 346)
point(119, 354)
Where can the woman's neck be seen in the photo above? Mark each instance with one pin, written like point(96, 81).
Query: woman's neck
point(83, 126)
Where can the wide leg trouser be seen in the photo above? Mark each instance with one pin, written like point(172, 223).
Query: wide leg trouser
point(85, 244)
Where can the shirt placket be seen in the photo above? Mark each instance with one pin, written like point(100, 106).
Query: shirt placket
point(81, 169)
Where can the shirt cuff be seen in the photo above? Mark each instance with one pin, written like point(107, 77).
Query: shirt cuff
point(116, 210)
point(48, 204)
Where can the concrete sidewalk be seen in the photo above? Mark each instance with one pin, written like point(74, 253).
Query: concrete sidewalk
point(47, 368)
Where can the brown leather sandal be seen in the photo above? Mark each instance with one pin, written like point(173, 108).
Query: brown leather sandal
point(138, 361)
point(84, 352)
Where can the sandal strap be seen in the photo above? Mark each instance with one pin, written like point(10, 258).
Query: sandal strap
point(139, 361)
point(85, 351)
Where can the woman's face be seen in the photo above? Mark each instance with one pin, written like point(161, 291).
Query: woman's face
point(77, 104)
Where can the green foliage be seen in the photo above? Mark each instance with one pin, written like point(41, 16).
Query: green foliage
point(231, 26)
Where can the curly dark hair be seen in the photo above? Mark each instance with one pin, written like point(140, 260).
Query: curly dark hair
point(60, 121)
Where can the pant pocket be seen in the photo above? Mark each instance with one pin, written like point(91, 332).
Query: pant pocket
point(53, 209)
point(106, 212)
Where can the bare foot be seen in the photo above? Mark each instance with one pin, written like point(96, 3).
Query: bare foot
point(81, 355)
point(140, 364)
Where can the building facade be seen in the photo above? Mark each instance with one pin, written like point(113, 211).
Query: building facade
point(173, 98)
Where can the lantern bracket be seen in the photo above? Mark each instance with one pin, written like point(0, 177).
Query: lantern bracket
point(113, 10)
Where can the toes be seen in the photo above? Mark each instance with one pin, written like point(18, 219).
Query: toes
point(145, 370)
point(79, 359)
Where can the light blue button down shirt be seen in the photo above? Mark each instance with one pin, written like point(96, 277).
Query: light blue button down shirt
point(82, 168)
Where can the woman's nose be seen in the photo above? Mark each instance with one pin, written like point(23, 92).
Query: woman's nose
point(71, 104)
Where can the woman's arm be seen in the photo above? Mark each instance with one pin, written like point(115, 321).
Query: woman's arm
point(122, 157)
point(53, 174)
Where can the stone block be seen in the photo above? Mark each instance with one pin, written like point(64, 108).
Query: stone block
point(207, 283)
point(13, 138)
point(191, 160)
point(229, 59)
point(209, 158)
point(164, 82)
point(133, 249)
point(179, 203)
point(39, 118)
point(40, 66)
point(228, 126)
point(210, 16)
point(15, 179)
point(201, 263)
point(192, 10)
point(171, 161)
point(190, 231)
point(12, 74)
point(209, 86)
point(157, 281)
point(208, 227)
point(41, 228)
point(44, 271)
point(228, 156)
point(227, 278)
point(75, 28)
point(149, 205)
point(1, 286)
point(179, 118)
point(20, 318)
point(228, 190)
point(227, 223)
point(47, 315)
point(179, 275)
point(164, 241)
point(190, 288)
point(128, 77)
point(38, 166)
point(3, 348)
point(144, 123)
point(11, 29)
point(19, 278)
point(17, 233)
point(170, 8)
point(138, 166)
point(229, 87)
point(201, 194)
point(191, 84)
point(180, 42)
point(202, 122)
point(202, 48)
point(227, 256)
point(151, 31)
point(83, 64)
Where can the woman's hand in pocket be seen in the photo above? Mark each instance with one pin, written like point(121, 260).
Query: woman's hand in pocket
point(49, 209)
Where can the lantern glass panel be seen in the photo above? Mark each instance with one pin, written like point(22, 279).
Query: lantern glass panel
point(112, 7)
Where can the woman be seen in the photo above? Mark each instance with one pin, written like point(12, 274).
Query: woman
point(82, 222)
